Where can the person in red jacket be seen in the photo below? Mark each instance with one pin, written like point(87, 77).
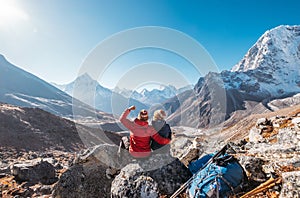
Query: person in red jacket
point(141, 133)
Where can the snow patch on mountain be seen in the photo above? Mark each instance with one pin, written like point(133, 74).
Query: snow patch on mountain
point(89, 91)
point(154, 96)
point(273, 50)
point(269, 70)
point(271, 67)
point(116, 100)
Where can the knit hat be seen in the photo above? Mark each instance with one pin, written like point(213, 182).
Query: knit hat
point(143, 115)
point(159, 115)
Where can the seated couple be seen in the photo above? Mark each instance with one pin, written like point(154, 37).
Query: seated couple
point(144, 137)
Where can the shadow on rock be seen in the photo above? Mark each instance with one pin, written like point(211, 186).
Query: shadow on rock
point(137, 180)
point(92, 172)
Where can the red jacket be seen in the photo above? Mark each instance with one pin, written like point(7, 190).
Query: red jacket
point(140, 136)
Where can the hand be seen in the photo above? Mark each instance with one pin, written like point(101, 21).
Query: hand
point(132, 108)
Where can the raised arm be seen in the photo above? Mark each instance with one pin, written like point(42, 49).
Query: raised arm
point(125, 121)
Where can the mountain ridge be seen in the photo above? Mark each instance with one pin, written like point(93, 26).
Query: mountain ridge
point(275, 75)
point(34, 129)
point(142, 99)
point(21, 88)
point(89, 91)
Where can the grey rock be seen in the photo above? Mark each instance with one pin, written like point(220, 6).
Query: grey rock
point(80, 180)
point(255, 135)
point(34, 172)
point(162, 181)
point(87, 176)
point(261, 121)
point(106, 153)
point(290, 185)
point(254, 168)
point(131, 182)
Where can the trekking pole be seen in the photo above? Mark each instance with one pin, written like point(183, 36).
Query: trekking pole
point(187, 183)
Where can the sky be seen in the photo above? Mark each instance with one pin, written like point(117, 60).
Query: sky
point(53, 39)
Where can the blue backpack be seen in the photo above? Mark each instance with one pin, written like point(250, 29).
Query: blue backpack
point(222, 177)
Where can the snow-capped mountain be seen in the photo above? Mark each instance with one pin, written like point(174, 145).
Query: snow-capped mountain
point(154, 96)
point(18, 87)
point(127, 93)
point(115, 101)
point(276, 47)
point(269, 70)
point(92, 93)
point(272, 65)
point(86, 89)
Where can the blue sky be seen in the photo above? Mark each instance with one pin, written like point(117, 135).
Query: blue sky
point(52, 38)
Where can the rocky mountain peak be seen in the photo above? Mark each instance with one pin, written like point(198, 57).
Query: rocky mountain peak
point(85, 77)
point(86, 82)
point(272, 64)
point(277, 48)
point(269, 70)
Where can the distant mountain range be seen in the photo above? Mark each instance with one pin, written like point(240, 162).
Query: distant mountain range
point(93, 104)
point(154, 96)
point(92, 93)
point(115, 101)
point(270, 70)
point(18, 87)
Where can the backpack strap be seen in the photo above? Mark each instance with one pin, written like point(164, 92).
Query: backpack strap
point(209, 181)
point(224, 160)
point(226, 182)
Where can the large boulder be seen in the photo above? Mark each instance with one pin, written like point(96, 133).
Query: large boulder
point(163, 180)
point(133, 183)
point(106, 154)
point(35, 171)
point(93, 170)
point(83, 180)
point(87, 177)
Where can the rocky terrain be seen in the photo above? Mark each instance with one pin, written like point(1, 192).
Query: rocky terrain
point(37, 146)
point(267, 147)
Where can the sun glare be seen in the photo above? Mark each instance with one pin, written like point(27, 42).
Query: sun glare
point(10, 13)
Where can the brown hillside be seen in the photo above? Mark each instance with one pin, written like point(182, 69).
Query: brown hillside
point(240, 130)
